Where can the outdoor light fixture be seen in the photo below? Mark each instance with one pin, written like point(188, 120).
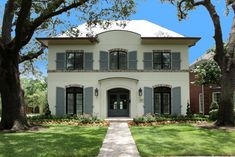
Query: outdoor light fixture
point(140, 92)
point(96, 92)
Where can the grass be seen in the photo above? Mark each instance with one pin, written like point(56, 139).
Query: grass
point(182, 140)
point(55, 141)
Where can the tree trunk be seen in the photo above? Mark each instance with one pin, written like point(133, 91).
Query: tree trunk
point(13, 113)
point(225, 115)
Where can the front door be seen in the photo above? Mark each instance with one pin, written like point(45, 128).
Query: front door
point(118, 102)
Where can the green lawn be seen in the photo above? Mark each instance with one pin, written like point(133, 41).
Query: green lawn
point(182, 139)
point(56, 141)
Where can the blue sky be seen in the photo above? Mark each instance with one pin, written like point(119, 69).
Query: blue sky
point(198, 24)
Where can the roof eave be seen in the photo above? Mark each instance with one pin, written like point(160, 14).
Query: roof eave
point(190, 41)
point(68, 40)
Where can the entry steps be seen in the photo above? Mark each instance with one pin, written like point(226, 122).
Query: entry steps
point(119, 119)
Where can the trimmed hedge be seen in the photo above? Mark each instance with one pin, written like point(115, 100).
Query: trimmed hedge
point(84, 119)
point(161, 118)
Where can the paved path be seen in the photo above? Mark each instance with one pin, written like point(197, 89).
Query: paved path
point(118, 142)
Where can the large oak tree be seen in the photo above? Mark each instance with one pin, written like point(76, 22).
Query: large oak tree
point(225, 59)
point(21, 20)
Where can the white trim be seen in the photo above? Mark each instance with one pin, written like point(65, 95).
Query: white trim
point(201, 103)
point(74, 85)
point(213, 96)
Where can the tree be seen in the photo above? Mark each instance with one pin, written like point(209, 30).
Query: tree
point(225, 60)
point(207, 73)
point(35, 93)
point(21, 20)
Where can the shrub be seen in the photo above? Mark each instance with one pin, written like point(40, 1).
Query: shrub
point(188, 111)
point(214, 105)
point(67, 118)
point(47, 111)
point(213, 114)
point(161, 118)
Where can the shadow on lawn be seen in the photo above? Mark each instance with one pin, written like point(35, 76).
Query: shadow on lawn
point(55, 141)
point(183, 140)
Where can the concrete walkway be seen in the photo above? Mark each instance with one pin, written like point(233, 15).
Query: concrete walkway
point(118, 142)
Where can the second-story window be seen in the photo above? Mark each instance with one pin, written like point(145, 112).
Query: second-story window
point(74, 60)
point(118, 60)
point(162, 60)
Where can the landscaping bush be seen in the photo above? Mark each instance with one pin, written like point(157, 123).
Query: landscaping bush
point(213, 113)
point(172, 118)
point(188, 111)
point(214, 105)
point(76, 119)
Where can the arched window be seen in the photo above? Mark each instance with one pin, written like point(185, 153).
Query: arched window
point(162, 100)
point(118, 60)
point(74, 100)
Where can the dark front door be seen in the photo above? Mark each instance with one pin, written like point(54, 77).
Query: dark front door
point(118, 102)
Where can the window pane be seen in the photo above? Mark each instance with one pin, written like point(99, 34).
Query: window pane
point(122, 60)
point(113, 60)
point(113, 102)
point(70, 103)
point(78, 61)
point(157, 60)
point(70, 61)
point(166, 58)
point(123, 102)
point(216, 97)
point(79, 102)
point(166, 103)
point(157, 103)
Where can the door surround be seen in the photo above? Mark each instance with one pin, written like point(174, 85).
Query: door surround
point(118, 103)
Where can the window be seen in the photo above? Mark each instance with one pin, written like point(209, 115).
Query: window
point(216, 97)
point(162, 100)
point(74, 60)
point(118, 60)
point(74, 100)
point(162, 60)
point(201, 103)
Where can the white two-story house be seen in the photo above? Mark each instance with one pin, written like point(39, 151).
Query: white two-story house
point(122, 72)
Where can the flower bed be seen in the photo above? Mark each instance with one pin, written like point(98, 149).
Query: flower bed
point(78, 120)
point(151, 119)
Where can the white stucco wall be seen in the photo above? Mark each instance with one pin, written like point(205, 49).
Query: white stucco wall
point(126, 40)
point(145, 79)
point(118, 39)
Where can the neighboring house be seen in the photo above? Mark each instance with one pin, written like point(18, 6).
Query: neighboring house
point(201, 97)
point(122, 72)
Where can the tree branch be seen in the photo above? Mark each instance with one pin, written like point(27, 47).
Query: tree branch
point(46, 15)
point(23, 17)
point(31, 56)
point(199, 3)
point(217, 32)
point(7, 22)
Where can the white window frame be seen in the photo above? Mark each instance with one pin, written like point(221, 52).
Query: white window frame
point(213, 96)
point(201, 103)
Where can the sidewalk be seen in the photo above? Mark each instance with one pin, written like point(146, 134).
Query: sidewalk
point(118, 142)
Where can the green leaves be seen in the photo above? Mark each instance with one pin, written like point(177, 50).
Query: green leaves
point(207, 73)
point(35, 92)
